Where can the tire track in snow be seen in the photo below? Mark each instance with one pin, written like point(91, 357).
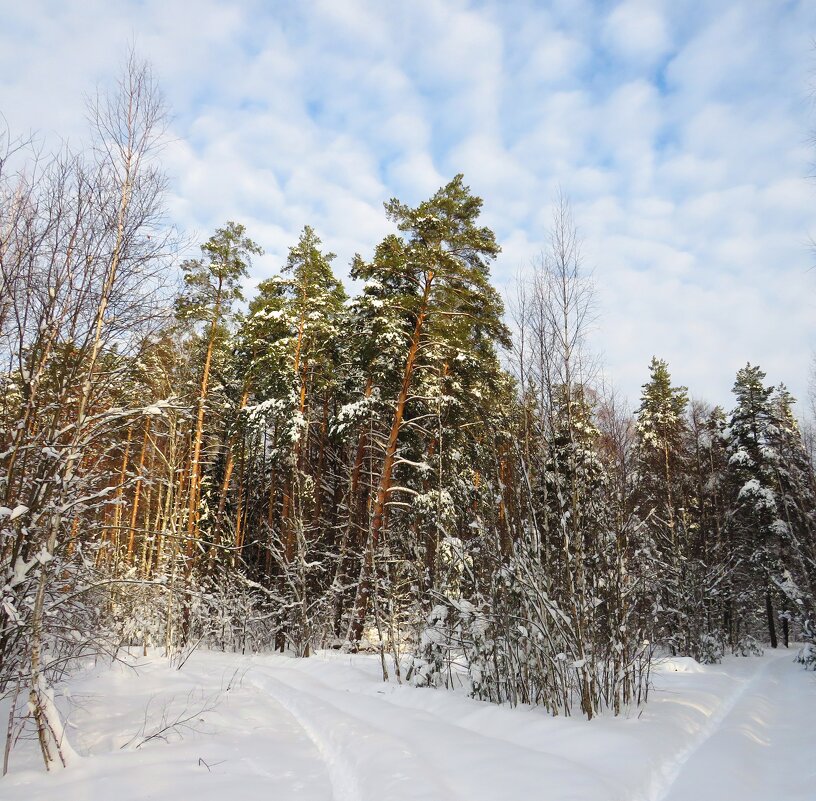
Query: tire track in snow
point(664, 778)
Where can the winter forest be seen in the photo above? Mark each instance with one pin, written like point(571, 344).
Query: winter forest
point(409, 465)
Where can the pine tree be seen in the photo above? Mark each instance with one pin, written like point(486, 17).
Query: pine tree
point(440, 270)
point(212, 286)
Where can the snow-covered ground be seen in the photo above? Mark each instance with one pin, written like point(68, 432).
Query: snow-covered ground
point(269, 727)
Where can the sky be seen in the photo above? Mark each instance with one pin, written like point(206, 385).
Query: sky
point(681, 132)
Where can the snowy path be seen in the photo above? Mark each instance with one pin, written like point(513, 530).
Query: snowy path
point(761, 747)
point(404, 753)
point(363, 759)
point(327, 729)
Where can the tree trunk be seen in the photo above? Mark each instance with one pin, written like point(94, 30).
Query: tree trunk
point(137, 492)
point(384, 486)
point(195, 462)
point(770, 614)
point(355, 506)
point(117, 512)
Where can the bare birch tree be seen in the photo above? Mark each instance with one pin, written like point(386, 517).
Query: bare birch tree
point(84, 239)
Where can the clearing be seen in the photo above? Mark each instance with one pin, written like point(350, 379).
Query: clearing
point(325, 728)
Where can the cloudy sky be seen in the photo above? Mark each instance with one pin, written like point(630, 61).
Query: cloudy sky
point(680, 130)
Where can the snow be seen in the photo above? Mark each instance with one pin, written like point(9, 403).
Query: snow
point(740, 457)
point(17, 511)
point(763, 496)
point(20, 570)
point(327, 727)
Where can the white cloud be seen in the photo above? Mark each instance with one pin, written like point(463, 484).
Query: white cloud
point(637, 31)
point(555, 58)
point(687, 177)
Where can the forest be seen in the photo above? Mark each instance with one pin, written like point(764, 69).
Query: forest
point(411, 469)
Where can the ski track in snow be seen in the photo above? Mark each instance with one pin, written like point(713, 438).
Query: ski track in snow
point(322, 729)
point(347, 742)
point(346, 728)
point(343, 779)
point(447, 758)
point(666, 776)
point(750, 747)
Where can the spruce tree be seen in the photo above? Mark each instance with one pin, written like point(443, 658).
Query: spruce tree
point(709, 560)
point(292, 346)
point(754, 524)
point(796, 523)
point(662, 465)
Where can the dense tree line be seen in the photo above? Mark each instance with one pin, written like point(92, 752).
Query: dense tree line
point(387, 471)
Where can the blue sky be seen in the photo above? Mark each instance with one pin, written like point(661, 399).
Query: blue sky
point(680, 130)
